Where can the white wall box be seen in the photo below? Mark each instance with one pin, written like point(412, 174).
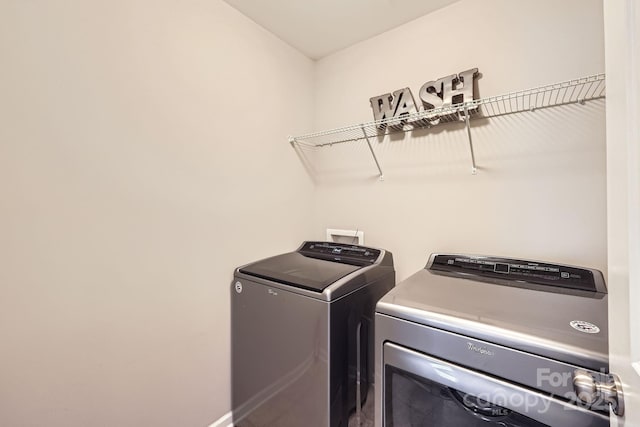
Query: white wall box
point(355, 237)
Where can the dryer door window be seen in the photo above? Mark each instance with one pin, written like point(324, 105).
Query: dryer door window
point(421, 390)
point(412, 401)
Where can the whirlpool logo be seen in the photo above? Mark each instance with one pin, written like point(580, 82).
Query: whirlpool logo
point(479, 349)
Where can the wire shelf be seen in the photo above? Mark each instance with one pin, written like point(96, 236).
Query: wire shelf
point(568, 92)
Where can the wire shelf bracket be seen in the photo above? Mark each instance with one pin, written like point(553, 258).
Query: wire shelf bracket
point(373, 153)
point(474, 169)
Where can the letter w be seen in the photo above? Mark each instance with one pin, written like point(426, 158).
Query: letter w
point(389, 106)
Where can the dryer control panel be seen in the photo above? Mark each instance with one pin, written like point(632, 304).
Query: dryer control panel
point(509, 269)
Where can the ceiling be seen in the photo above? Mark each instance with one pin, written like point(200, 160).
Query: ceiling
point(320, 27)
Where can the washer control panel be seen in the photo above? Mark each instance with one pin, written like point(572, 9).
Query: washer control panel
point(351, 254)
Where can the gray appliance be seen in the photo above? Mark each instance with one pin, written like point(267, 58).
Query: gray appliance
point(302, 334)
point(484, 341)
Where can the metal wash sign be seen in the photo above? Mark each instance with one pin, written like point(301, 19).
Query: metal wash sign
point(446, 91)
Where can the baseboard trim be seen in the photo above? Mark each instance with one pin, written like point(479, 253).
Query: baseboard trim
point(224, 421)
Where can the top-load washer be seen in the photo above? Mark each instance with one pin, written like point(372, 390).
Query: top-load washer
point(485, 341)
point(302, 334)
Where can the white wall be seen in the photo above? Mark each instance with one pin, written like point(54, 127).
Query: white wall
point(143, 156)
point(540, 191)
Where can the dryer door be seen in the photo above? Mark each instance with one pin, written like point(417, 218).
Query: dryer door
point(419, 390)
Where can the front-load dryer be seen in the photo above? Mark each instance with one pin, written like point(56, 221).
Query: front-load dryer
point(486, 341)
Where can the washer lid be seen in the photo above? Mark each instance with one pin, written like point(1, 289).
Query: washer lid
point(296, 269)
